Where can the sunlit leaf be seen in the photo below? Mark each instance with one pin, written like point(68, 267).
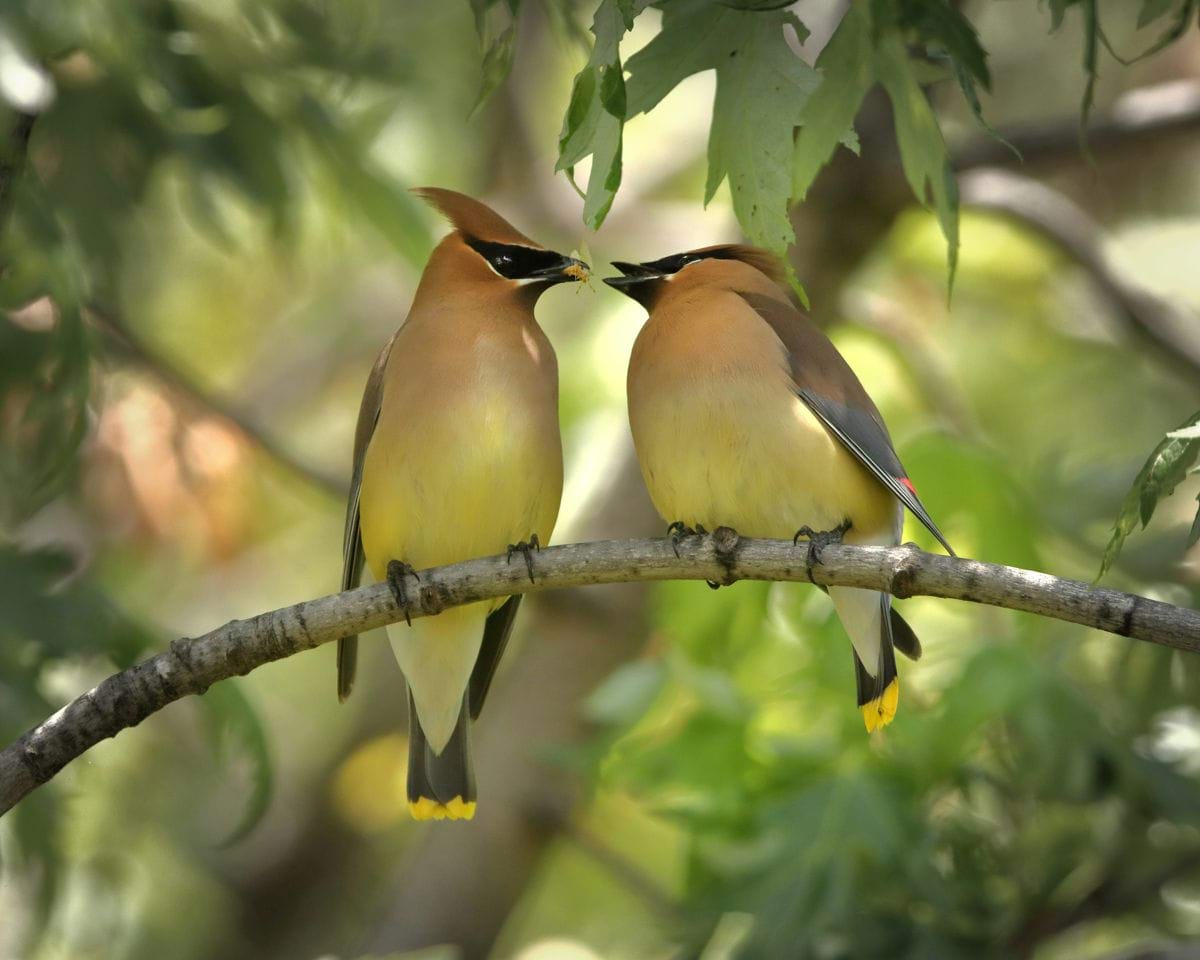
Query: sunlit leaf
point(595, 118)
point(1166, 466)
point(847, 74)
point(498, 50)
point(762, 87)
point(497, 64)
point(385, 204)
point(923, 151)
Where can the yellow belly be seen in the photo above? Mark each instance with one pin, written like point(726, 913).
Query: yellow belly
point(447, 478)
point(747, 453)
point(459, 482)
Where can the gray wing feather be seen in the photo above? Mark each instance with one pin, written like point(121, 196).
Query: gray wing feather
point(353, 558)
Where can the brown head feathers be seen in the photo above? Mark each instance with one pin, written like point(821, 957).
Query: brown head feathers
point(472, 218)
point(759, 259)
point(762, 260)
point(647, 282)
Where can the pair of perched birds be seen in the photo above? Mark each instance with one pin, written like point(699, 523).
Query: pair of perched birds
point(743, 415)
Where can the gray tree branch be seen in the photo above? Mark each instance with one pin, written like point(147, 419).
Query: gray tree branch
point(192, 665)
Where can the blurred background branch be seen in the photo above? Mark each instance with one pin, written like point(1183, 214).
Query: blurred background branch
point(1153, 112)
point(1173, 331)
point(123, 344)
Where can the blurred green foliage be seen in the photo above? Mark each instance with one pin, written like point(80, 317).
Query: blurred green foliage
point(225, 182)
point(1174, 457)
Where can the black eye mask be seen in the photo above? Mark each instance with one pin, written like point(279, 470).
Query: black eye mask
point(515, 261)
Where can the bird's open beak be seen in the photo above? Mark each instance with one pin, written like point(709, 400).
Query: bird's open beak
point(566, 269)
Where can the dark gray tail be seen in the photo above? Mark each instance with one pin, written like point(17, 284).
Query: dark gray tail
point(903, 637)
point(440, 786)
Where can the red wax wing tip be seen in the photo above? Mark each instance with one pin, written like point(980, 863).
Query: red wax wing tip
point(908, 483)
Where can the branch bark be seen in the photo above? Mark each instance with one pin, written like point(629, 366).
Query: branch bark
point(192, 665)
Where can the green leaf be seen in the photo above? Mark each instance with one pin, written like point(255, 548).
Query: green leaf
point(937, 24)
point(923, 153)
point(1091, 34)
point(855, 57)
point(1058, 9)
point(481, 9)
point(1151, 11)
point(1167, 465)
point(691, 40)
point(385, 204)
point(497, 63)
point(762, 88)
point(626, 694)
point(971, 95)
point(234, 723)
point(1091, 45)
point(629, 10)
point(47, 388)
point(595, 117)
point(1187, 11)
point(847, 73)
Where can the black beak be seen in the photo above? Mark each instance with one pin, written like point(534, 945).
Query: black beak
point(635, 273)
point(638, 283)
point(564, 270)
point(635, 269)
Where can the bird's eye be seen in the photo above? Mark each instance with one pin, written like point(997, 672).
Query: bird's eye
point(502, 260)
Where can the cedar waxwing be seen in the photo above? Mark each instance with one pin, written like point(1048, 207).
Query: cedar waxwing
point(745, 415)
point(457, 454)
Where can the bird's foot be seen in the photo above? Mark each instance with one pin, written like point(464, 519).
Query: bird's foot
point(526, 549)
point(725, 542)
point(679, 531)
point(397, 571)
point(818, 540)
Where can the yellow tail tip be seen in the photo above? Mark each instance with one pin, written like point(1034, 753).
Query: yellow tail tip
point(882, 710)
point(426, 808)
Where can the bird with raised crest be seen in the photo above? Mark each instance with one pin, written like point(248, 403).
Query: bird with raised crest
point(745, 415)
point(457, 455)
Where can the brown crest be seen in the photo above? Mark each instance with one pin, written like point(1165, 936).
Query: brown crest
point(760, 259)
point(472, 218)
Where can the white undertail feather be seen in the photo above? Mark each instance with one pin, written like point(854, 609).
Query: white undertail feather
point(861, 611)
point(436, 655)
point(861, 614)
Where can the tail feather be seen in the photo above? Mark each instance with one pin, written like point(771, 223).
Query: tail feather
point(440, 786)
point(347, 666)
point(878, 695)
point(903, 637)
point(867, 618)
